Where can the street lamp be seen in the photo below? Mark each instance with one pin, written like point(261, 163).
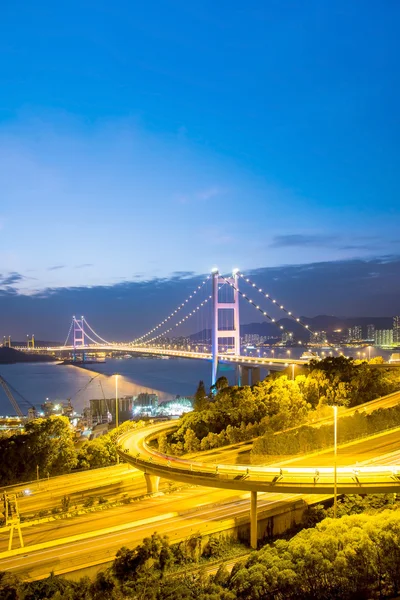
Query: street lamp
point(335, 462)
point(369, 352)
point(292, 371)
point(116, 409)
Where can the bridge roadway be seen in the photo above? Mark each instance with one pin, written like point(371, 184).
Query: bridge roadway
point(235, 359)
point(135, 449)
point(158, 351)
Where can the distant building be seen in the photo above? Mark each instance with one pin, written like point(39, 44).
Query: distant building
point(371, 332)
point(287, 337)
point(146, 400)
point(384, 337)
point(57, 408)
point(103, 410)
point(251, 338)
point(173, 408)
point(318, 337)
point(338, 336)
point(355, 334)
point(396, 330)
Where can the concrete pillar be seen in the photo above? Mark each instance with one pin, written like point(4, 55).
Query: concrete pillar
point(152, 482)
point(253, 520)
point(255, 375)
point(239, 375)
point(245, 375)
point(214, 328)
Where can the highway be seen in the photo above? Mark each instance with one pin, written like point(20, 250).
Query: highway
point(380, 449)
point(163, 517)
point(180, 514)
point(211, 509)
point(316, 479)
point(109, 482)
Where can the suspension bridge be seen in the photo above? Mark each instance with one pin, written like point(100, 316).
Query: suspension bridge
point(215, 306)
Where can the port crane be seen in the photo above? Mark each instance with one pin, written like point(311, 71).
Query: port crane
point(7, 387)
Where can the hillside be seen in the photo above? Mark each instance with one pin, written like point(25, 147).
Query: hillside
point(10, 356)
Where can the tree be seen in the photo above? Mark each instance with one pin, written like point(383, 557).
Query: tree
point(192, 443)
point(221, 383)
point(200, 398)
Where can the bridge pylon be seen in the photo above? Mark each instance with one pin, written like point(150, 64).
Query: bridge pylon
point(221, 308)
point(79, 335)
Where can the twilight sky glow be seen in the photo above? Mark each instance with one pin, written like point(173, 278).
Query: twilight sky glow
point(138, 142)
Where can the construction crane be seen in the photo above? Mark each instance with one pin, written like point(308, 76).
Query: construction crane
point(7, 387)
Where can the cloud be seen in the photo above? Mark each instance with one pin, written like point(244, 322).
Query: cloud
point(10, 279)
point(83, 266)
point(56, 267)
point(298, 239)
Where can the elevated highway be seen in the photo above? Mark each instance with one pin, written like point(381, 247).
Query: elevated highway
point(135, 448)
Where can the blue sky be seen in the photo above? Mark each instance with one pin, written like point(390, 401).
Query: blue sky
point(138, 140)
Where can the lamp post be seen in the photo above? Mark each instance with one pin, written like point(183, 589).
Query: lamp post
point(335, 461)
point(369, 352)
point(116, 409)
point(292, 371)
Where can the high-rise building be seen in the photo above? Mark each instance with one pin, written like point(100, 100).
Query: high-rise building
point(371, 333)
point(384, 337)
point(287, 337)
point(396, 330)
point(355, 333)
point(318, 337)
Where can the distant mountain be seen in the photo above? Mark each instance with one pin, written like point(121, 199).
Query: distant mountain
point(328, 323)
point(41, 343)
point(10, 356)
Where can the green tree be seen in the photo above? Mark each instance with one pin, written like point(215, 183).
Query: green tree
point(200, 398)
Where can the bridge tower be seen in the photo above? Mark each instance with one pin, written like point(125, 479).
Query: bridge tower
point(221, 308)
point(79, 335)
point(30, 343)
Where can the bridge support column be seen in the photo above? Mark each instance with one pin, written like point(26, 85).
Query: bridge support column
point(253, 521)
point(255, 375)
point(152, 482)
point(239, 375)
point(245, 375)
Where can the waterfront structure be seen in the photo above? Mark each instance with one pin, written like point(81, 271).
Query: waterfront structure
point(102, 410)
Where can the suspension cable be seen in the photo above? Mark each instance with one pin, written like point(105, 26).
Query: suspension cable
point(256, 306)
point(94, 332)
point(280, 306)
point(139, 339)
point(86, 334)
point(69, 332)
point(190, 314)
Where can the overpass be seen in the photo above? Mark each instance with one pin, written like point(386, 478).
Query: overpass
point(134, 447)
